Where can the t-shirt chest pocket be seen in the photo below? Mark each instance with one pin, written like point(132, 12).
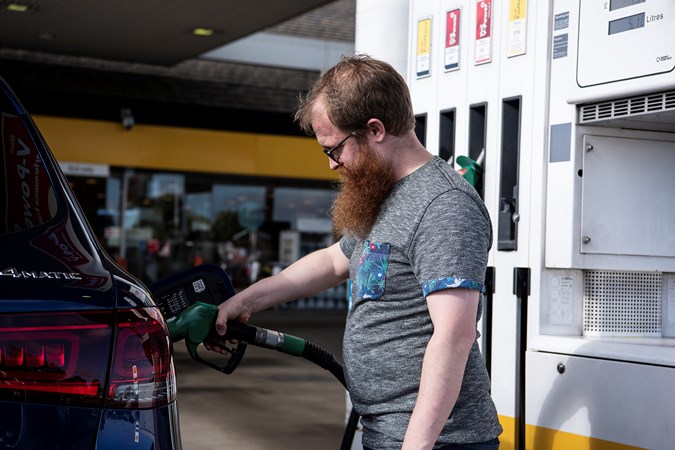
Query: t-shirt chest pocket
point(371, 274)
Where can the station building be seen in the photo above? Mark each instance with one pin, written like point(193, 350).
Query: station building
point(178, 163)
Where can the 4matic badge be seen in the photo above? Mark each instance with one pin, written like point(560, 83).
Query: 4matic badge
point(37, 274)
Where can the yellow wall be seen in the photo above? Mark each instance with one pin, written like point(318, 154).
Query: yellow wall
point(184, 149)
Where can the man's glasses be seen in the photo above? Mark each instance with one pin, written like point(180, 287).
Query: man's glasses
point(329, 151)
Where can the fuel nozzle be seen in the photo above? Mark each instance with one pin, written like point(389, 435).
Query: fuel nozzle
point(189, 303)
point(472, 170)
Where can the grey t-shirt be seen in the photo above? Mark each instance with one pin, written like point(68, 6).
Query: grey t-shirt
point(432, 233)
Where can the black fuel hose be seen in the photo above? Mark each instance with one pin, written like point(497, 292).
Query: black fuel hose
point(292, 345)
point(284, 343)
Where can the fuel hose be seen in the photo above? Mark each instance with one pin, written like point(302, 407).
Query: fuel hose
point(291, 345)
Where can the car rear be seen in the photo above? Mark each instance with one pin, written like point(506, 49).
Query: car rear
point(85, 355)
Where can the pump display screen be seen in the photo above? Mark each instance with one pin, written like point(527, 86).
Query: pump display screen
point(618, 4)
point(627, 23)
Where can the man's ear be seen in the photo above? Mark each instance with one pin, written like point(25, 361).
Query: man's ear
point(375, 129)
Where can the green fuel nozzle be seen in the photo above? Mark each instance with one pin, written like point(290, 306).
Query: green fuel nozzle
point(193, 324)
point(472, 169)
point(196, 324)
point(189, 303)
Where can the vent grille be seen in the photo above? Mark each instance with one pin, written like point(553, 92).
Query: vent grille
point(627, 107)
point(622, 303)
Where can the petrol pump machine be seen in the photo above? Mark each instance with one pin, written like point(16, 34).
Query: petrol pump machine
point(572, 105)
point(610, 217)
point(605, 338)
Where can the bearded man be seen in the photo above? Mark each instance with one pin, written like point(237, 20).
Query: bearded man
point(414, 238)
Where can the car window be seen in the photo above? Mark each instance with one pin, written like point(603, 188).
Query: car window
point(26, 193)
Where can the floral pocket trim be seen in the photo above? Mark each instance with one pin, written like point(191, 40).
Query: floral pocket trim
point(371, 274)
point(449, 283)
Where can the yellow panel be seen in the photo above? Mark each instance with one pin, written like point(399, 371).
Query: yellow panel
point(518, 10)
point(184, 149)
point(540, 438)
point(423, 37)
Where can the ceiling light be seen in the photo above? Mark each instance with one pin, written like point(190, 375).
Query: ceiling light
point(199, 31)
point(17, 7)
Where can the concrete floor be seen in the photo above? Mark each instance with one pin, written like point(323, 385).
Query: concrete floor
point(272, 400)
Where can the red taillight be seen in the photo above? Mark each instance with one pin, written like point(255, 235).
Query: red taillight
point(54, 357)
point(13, 355)
point(141, 373)
point(64, 358)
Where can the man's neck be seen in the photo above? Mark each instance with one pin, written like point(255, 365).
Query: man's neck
point(407, 155)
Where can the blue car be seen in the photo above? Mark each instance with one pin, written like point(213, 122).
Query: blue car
point(86, 360)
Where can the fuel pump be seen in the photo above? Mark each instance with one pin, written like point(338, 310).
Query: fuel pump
point(189, 303)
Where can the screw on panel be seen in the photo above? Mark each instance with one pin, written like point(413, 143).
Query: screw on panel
point(585, 239)
point(589, 147)
point(561, 368)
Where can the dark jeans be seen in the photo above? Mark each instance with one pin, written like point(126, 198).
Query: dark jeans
point(492, 444)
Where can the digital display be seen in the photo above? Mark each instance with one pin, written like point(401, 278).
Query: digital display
point(618, 4)
point(627, 23)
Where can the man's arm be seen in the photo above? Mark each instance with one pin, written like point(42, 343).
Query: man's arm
point(453, 313)
point(309, 275)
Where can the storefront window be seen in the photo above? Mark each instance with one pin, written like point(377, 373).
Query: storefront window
point(159, 223)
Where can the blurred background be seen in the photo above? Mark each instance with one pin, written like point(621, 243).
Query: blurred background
point(173, 122)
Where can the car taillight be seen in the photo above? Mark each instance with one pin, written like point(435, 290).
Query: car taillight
point(56, 357)
point(141, 373)
point(63, 357)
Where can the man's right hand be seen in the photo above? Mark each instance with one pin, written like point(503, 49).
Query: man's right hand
point(232, 309)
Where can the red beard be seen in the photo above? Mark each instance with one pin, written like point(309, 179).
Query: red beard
point(363, 188)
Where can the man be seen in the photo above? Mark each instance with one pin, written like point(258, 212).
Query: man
point(414, 238)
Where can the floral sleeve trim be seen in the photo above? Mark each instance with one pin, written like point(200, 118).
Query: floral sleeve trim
point(449, 283)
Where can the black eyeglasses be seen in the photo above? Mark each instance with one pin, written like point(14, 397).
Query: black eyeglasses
point(329, 151)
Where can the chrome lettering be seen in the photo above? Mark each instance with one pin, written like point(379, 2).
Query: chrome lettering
point(11, 272)
point(37, 274)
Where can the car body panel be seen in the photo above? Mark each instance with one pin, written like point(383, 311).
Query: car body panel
point(138, 429)
point(50, 261)
point(54, 427)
